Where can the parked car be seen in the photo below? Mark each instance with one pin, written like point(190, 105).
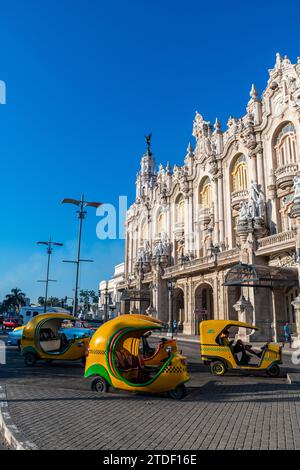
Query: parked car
point(85, 324)
point(14, 337)
point(11, 323)
point(1, 319)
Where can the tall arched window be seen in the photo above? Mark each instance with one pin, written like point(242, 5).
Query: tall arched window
point(240, 174)
point(160, 223)
point(180, 210)
point(285, 145)
point(205, 194)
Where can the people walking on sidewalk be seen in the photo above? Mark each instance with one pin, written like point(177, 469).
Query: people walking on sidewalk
point(287, 335)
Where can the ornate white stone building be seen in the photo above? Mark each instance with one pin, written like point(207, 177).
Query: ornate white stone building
point(109, 295)
point(223, 225)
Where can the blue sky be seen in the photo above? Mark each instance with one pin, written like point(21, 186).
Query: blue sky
point(85, 81)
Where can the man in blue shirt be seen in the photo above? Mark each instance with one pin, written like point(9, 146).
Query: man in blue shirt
point(287, 334)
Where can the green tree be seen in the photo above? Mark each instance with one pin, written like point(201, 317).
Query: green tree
point(87, 298)
point(15, 300)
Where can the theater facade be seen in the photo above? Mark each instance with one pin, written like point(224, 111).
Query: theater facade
point(218, 236)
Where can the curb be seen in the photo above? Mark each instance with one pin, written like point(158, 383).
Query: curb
point(12, 436)
point(293, 379)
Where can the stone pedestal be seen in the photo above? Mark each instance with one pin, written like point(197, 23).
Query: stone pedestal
point(296, 305)
point(151, 311)
point(244, 310)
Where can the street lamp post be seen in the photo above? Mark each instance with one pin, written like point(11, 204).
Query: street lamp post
point(151, 308)
point(171, 287)
point(106, 294)
point(49, 245)
point(81, 203)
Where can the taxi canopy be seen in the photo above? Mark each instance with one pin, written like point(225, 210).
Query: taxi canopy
point(128, 325)
point(36, 322)
point(210, 329)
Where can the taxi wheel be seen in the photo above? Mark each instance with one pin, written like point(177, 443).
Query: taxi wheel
point(30, 359)
point(178, 393)
point(274, 370)
point(99, 385)
point(218, 368)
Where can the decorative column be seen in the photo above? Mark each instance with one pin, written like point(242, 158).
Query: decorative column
point(221, 212)
point(189, 322)
point(251, 305)
point(186, 223)
point(260, 170)
point(191, 251)
point(253, 168)
point(244, 309)
point(216, 210)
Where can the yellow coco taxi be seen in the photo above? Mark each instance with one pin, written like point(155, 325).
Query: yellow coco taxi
point(43, 339)
point(154, 356)
point(115, 359)
point(222, 353)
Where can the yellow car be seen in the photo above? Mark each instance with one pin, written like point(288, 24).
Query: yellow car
point(222, 354)
point(115, 359)
point(43, 340)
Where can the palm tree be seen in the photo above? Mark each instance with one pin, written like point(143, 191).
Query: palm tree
point(16, 299)
point(41, 301)
point(84, 297)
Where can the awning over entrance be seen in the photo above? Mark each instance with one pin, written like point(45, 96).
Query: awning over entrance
point(133, 295)
point(250, 275)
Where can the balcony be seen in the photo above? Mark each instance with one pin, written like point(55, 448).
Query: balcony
point(204, 215)
point(285, 174)
point(223, 258)
point(278, 242)
point(237, 197)
point(179, 229)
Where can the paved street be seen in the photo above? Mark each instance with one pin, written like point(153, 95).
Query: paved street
point(54, 409)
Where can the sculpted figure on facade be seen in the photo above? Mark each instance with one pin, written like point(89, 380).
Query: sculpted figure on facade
point(296, 187)
point(244, 212)
point(180, 248)
point(256, 201)
point(165, 244)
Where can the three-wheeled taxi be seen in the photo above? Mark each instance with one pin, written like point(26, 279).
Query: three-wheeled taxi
point(223, 353)
point(43, 339)
point(153, 356)
point(115, 358)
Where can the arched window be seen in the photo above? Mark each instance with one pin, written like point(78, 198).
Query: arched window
point(285, 145)
point(160, 223)
point(205, 194)
point(240, 174)
point(180, 210)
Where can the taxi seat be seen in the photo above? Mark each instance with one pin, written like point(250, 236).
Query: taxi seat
point(48, 340)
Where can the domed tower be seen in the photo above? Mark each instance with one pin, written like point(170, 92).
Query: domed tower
point(147, 175)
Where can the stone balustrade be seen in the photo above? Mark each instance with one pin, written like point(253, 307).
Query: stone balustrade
point(237, 197)
point(203, 262)
point(285, 174)
point(280, 239)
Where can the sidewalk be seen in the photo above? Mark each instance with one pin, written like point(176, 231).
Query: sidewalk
point(196, 339)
